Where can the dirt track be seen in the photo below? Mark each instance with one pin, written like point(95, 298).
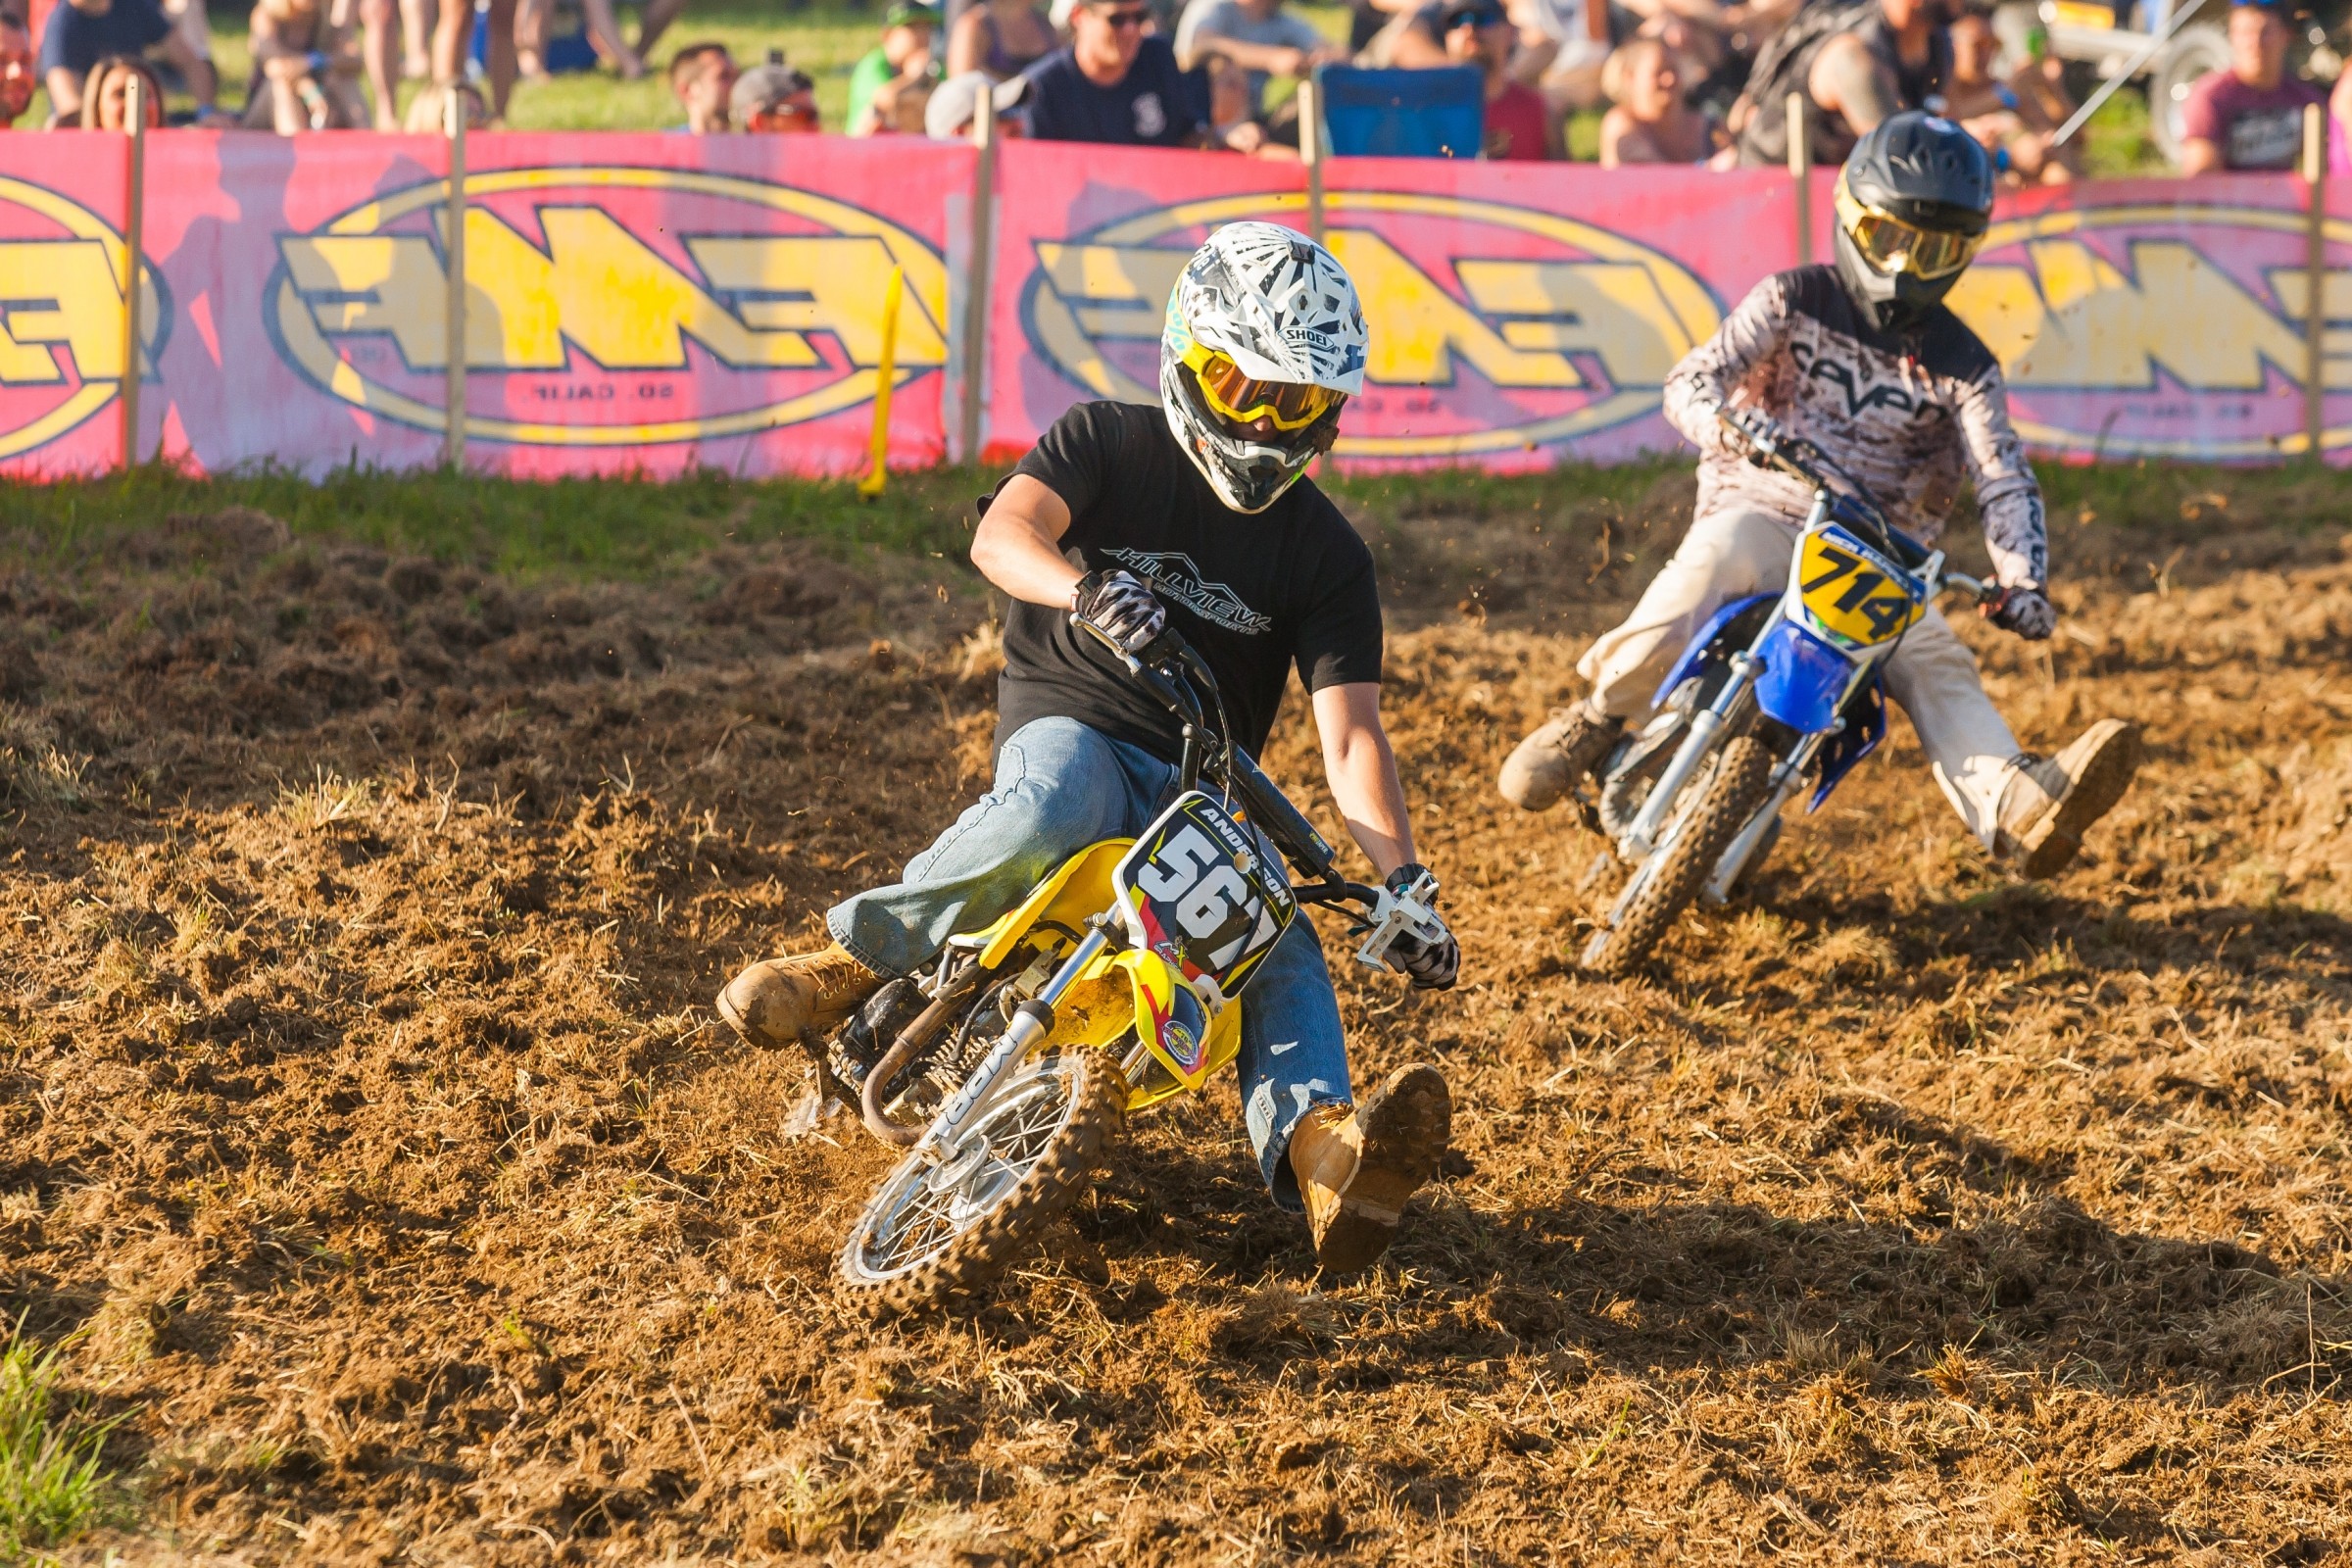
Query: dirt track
point(361, 1108)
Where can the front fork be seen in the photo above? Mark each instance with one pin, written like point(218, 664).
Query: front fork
point(1032, 1021)
point(1642, 839)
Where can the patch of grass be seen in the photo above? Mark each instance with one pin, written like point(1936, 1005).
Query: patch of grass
point(607, 527)
point(619, 528)
point(53, 1486)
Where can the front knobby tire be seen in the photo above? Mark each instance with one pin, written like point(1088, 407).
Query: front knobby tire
point(1742, 778)
point(922, 1241)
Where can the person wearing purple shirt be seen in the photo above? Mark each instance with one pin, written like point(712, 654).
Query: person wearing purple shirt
point(2249, 117)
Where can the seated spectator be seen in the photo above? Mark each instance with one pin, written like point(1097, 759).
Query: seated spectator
point(18, 77)
point(1856, 65)
point(428, 111)
point(701, 77)
point(947, 116)
point(902, 55)
point(106, 94)
point(2016, 120)
point(83, 33)
point(1479, 32)
point(2249, 117)
point(1002, 37)
point(1257, 35)
point(900, 109)
point(773, 98)
point(1233, 121)
point(1650, 122)
point(1112, 84)
point(306, 70)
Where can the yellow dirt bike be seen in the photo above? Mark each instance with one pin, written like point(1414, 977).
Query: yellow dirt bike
point(1007, 1068)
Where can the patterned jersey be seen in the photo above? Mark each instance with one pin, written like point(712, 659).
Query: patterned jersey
point(1908, 416)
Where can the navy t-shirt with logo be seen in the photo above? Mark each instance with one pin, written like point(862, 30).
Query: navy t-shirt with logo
point(1255, 594)
point(1152, 106)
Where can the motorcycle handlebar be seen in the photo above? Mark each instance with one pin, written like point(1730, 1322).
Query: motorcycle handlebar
point(1167, 669)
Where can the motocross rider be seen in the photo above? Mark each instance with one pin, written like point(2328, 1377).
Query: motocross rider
point(1195, 514)
point(1864, 359)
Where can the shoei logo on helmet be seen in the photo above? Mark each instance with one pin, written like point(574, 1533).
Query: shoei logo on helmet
point(1550, 328)
point(61, 270)
point(612, 307)
point(2157, 329)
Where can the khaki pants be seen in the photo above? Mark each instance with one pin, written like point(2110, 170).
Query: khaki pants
point(1728, 555)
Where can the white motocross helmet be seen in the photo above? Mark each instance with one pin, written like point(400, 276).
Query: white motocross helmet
point(1263, 329)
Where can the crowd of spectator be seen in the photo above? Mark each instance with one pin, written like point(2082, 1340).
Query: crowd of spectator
point(1681, 82)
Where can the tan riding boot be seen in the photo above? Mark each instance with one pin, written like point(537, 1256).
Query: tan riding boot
point(770, 1003)
point(1358, 1167)
point(1564, 748)
point(2047, 807)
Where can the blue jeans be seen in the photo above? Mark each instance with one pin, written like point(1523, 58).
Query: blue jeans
point(1060, 787)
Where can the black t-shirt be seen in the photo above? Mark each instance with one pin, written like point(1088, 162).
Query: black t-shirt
point(1254, 593)
point(1152, 106)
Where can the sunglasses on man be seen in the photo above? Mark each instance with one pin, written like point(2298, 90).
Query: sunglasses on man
point(1123, 19)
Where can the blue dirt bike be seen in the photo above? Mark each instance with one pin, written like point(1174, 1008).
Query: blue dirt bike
point(1777, 689)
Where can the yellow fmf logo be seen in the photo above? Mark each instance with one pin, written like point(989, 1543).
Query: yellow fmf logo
point(608, 307)
point(2158, 330)
point(1492, 327)
point(61, 273)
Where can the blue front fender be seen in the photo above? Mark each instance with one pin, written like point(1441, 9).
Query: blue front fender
point(1803, 678)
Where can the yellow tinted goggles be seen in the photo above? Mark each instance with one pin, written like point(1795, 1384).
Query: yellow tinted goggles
point(1231, 395)
point(1891, 245)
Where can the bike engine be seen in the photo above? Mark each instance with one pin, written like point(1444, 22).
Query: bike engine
point(859, 1045)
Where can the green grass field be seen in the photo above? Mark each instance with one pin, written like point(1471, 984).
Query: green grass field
point(631, 528)
point(826, 40)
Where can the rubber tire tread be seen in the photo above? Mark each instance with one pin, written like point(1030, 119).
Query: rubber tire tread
point(975, 1258)
point(1741, 778)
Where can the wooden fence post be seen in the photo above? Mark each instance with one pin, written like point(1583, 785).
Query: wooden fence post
point(1310, 151)
point(1800, 171)
point(134, 227)
point(453, 441)
point(974, 348)
point(2315, 304)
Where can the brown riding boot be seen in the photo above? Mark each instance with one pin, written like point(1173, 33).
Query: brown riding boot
point(770, 1003)
point(1563, 748)
point(2048, 806)
point(1356, 1167)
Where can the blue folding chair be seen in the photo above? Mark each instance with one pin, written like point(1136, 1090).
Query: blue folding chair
point(1402, 113)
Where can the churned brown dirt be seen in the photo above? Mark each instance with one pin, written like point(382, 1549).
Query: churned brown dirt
point(363, 1122)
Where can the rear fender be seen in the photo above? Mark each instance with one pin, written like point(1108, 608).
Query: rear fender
point(1073, 895)
point(1804, 679)
point(1700, 653)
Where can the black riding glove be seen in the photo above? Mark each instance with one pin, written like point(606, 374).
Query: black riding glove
point(2024, 612)
point(1121, 606)
point(1429, 963)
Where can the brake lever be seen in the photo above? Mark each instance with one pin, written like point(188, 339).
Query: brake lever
point(1394, 915)
point(1135, 666)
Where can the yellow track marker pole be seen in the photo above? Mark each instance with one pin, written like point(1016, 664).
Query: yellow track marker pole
point(879, 474)
point(134, 239)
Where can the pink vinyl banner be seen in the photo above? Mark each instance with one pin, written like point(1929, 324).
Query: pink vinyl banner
point(657, 303)
point(635, 303)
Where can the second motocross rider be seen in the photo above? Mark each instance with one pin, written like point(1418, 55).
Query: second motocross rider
point(1123, 515)
point(1864, 359)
